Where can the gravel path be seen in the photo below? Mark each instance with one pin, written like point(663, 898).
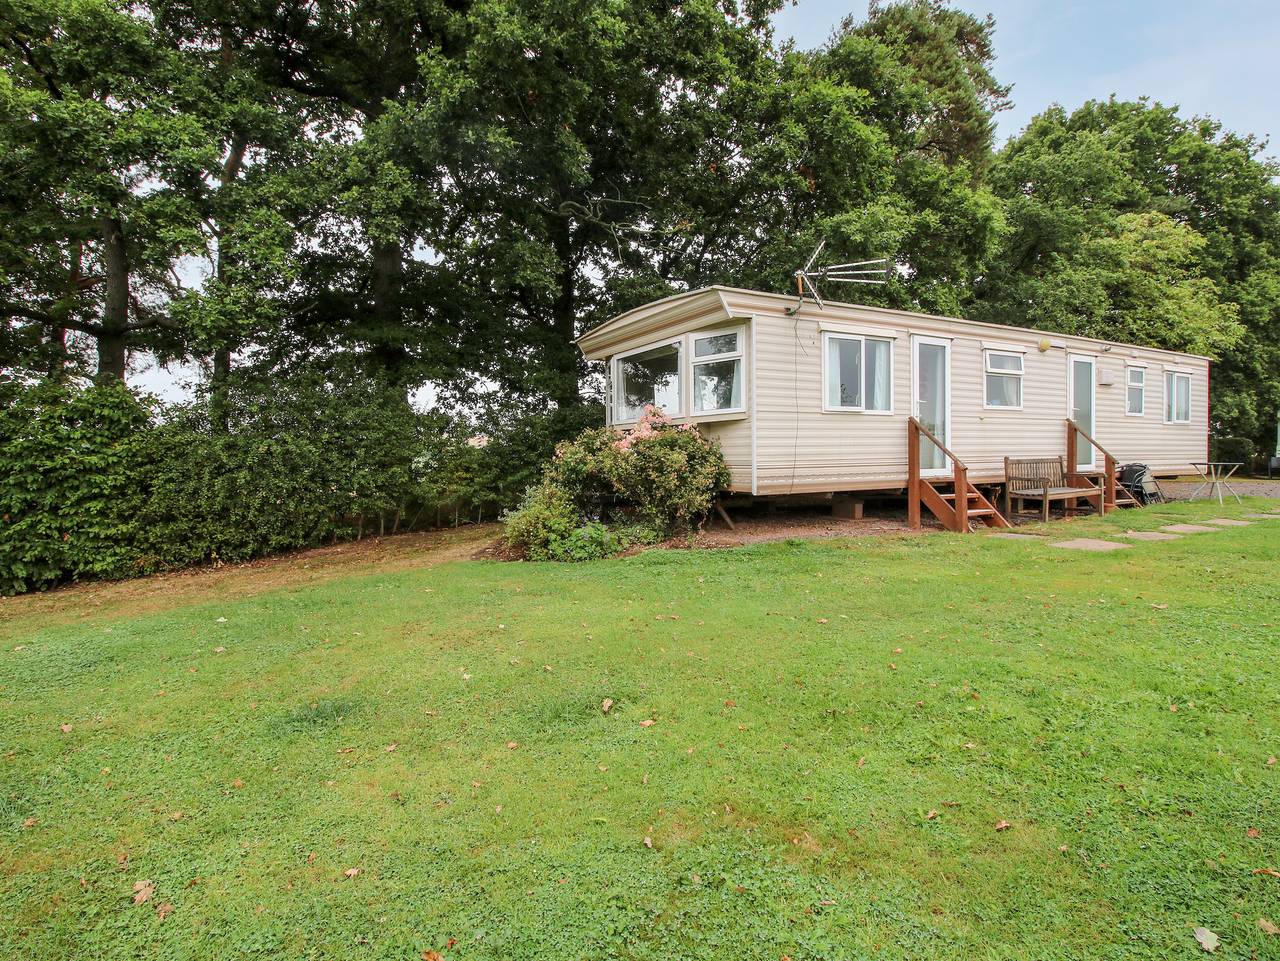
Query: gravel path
point(1183, 489)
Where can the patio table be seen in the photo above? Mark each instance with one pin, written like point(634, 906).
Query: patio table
point(1215, 474)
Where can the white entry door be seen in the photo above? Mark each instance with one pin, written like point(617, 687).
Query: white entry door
point(1081, 397)
point(931, 394)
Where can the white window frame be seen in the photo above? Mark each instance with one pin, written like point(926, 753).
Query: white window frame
point(684, 344)
point(1170, 397)
point(1129, 385)
point(827, 337)
point(738, 354)
point(1020, 373)
point(616, 377)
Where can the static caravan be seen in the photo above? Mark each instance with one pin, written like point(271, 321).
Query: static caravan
point(845, 398)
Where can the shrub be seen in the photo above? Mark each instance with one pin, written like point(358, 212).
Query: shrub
point(611, 489)
point(1234, 449)
point(71, 461)
point(308, 457)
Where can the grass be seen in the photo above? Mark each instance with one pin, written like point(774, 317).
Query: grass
point(440, 730)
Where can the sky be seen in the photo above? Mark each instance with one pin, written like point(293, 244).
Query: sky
point(1220, 59)
point(1210, 58)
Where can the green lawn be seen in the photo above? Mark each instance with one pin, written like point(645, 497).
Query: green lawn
point(813, 705)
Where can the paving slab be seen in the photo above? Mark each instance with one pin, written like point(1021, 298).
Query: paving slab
point(1227, 522)
point(1189, 528)
point(1150, 536)
point(1010, 536)
point(1263, 517)
point(1089, 544)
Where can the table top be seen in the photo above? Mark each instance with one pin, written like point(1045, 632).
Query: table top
point(1217, 463)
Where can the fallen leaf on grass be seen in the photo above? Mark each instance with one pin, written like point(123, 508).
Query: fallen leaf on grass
point(311, 857)
point(1271, 761)
point(1003, 825)
point(1207, 939)
point(219, 650)
point(648, 841)
point(606, 705)
point(64, 728)
point(1268, 927)
point(345, 750)
point(1161, 607)
point(164, 910)
point(1271, 871)
point(931, 815)
point(30, 823)
point(237, 784)
point(390, 747)
point(351, 872)
point(429, 955)
point(1253, 833)
point(142, 891)
point(512, 745)
point(648, 722)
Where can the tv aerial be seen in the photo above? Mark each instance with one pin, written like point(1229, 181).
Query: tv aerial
point(857, 272)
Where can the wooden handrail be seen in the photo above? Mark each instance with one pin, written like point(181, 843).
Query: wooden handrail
point(1109, 463)
point(1089, 437)
point(960, 478)
point(937, 443)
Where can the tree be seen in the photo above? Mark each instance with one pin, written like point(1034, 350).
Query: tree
point(1129, 220)
point(100, 146)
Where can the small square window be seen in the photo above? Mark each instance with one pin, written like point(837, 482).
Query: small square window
point(1003, 387)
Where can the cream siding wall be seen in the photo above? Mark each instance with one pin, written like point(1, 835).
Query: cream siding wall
point(802, 448)
point(799, 447)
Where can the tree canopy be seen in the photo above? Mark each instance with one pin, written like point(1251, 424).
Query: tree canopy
point(449, 191)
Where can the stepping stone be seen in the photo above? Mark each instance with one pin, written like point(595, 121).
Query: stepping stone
point(1010, 536)
point(1189, 528)
point(1227, 522)
point(1090, 544)
point(1150, 536)
point(1263, 517)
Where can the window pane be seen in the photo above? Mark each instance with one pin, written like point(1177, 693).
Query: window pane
point(715, 344)
point(1183, 397)
point(1137, 400)
point(1004, 390)
point(879, 389)
point(717, 385)
point(844, 372)
point(1004, 362)
point(1168, 397)
point(652, 377)
point(1137, 377)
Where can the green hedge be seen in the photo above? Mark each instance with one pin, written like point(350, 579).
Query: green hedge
point(96, 482)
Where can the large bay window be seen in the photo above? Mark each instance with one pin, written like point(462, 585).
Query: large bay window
point(1003, 379)
point(1177, 397)
point(859, 373)
point(710, 361)
point(650, 376)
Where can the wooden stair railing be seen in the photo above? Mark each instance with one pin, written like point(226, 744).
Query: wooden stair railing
point(1109, 500)
point(966, 501)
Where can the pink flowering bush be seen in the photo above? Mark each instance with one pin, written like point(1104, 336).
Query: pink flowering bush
point(615, 487)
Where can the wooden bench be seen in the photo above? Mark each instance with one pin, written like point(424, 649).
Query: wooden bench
point(1044, 479)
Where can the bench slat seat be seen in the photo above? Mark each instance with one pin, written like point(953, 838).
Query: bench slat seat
point(1044, 479)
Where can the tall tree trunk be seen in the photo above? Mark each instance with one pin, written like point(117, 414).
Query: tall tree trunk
point(564, 320)
point(112, 346)
point(388, 335)
point(219, 402)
